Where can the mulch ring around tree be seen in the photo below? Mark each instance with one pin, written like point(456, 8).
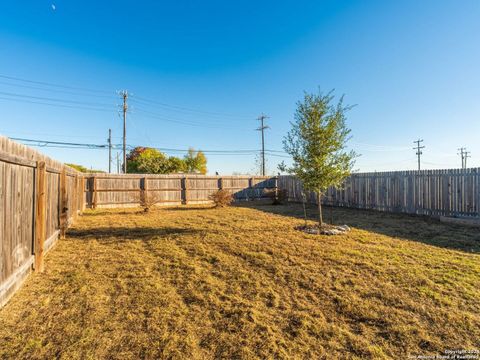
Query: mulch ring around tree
point(324, 230)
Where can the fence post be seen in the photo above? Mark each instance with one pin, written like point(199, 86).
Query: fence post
point(75, 199)
point(251, 191)
point(40, 210)
point(185, 190)
point(94, 192)
point(477, 187)
point(78, 205)
point(63, 202)
point(83, 199)
point(143, 191)
point(275, 184)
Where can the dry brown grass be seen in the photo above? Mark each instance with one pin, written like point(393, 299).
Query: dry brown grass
point(195, 283)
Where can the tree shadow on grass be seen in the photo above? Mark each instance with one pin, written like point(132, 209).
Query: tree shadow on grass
point(189, 207)
point(411, 227)
point(107, 212)
point(126, 233)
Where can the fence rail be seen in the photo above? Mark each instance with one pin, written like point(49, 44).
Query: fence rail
point(107, 190)
point(454, 192)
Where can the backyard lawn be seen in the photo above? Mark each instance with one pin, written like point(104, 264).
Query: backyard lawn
point(240, 282)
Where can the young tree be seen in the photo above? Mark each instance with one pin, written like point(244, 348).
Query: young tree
point(317, 142)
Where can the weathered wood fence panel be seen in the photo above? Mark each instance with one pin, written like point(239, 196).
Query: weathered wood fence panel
point(454, 192)
point(23, 220)
point(112, 190)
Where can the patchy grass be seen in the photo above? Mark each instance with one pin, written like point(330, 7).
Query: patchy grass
point(242, 283)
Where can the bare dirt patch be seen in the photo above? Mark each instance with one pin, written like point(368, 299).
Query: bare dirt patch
point(325, 229)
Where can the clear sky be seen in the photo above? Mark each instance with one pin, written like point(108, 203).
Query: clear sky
point(200, 73)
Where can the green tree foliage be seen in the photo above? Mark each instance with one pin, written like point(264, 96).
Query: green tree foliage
point(143, 160)
point(195, 162)
point(176, 165)
point(151, 161)
point(132, 159)
point(317, 144)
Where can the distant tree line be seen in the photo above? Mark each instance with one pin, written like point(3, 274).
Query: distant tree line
point(83, 169)
point(144, 160)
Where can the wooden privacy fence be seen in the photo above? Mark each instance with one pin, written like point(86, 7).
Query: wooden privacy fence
point(109, 190)
point(39, 197)
point(427, 192)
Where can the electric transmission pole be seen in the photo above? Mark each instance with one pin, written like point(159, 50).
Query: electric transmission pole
point(124, 95)
point(118, 162)
point(462, 155)
point(262, 128)
point(419, 150)
point(109, 151)
point(466, 156)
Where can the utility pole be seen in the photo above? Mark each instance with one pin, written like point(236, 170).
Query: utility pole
point(109, 151)
point(124, 95)
point(462, 155)
point(466, 156)
point(118, 162)
point(419, 151)
point(262, 128)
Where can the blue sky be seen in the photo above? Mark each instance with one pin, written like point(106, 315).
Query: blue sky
point(211, 67)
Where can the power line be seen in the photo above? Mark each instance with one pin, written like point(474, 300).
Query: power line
point(55, 100)
point(212, 152)
point(186, 109)
point(390, 162)
point(172, 120)
point(53, 84)
point(48, 142)
point(277, 155)
point(153, 115)
point(65, 147)
point(66, 103)
point(435, 164)
point(380, 148)
point(55, 105)
point(61, 91)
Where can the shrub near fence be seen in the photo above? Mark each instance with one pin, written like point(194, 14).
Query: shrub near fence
point(453, 192)
point(39, 197)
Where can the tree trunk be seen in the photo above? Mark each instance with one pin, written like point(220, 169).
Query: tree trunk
point(320, 217)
